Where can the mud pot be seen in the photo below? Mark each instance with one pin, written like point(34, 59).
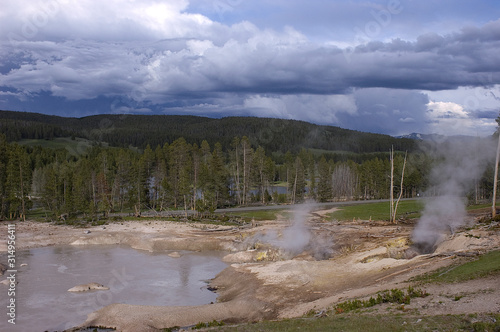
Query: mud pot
point(59, 286)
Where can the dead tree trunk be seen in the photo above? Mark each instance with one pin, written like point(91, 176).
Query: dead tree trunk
point(394, 207)
point(495, 180)
point(401, 189)
point(391, 156)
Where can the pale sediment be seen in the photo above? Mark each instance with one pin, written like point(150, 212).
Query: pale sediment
point(260, 284)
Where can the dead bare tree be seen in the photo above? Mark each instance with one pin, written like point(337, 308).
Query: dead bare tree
point(394, 207)
point(400, 190)
point(391, 156)
point(495, 180)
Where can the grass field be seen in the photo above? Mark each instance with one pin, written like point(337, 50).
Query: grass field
point(375, 323)
point(378, 211)
point(488, 264)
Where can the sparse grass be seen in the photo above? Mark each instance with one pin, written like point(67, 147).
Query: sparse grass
point(37, 214)
point(258, 214)
point(41, 215)
point(486, 265)
point(378, 211)
point(388, 296)
point(480, 206)
point(375, 323)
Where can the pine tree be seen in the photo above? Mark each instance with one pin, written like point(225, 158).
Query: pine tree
point(18, 179)
point(325, 181)
point(4, 154)
point(259, 174)
point(219, 177)
point(180, 165)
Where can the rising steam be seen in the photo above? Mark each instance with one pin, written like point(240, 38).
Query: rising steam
point(458, 165)
point(298, 237)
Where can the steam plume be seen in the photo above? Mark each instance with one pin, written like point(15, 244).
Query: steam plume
point(459, 164)
point(298, 237)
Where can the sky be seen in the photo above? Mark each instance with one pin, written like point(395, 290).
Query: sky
point(385, 66)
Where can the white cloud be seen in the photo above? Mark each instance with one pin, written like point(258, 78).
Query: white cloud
point(102, 20)
point(448, 118)
point(446, 110)
point(472, 98)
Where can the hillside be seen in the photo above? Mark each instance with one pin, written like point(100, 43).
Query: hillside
point(275, 135)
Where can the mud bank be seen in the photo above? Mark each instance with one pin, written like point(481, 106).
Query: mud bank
point(366, 257)
point(153, 236)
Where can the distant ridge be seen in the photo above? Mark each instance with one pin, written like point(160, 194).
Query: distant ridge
point(275, 135)
point(423, 137)
point(435, 137)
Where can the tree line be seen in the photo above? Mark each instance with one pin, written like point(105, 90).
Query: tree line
point(178, 176)
point(186, 176)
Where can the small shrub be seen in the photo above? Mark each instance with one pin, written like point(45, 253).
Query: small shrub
point(479, 327)
point(388, 296)
point(171, 329)
point(202, 325)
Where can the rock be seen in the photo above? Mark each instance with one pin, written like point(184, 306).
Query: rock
point(87, 232)
point(88, 287)
point(174, 254)
point(240, 257)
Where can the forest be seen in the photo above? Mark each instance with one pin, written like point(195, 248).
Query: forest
point(108, 176)
point(276, 136)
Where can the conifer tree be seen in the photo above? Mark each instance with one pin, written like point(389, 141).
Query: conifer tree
point(18, 179)
point(325, 181)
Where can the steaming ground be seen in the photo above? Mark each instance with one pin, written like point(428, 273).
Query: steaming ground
point(265, 281)
point(296, 237)
point(459, 165)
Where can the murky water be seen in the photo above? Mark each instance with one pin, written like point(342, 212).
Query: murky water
point(134, 277)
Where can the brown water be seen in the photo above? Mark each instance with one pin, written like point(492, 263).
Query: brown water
point(134, 277)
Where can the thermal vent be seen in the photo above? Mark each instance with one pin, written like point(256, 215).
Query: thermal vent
point(459, 164)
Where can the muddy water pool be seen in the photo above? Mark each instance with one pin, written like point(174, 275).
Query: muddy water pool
point(134, 277)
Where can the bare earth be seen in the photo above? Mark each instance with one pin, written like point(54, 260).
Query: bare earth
point(264, 283)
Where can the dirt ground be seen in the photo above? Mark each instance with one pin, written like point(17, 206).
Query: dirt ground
point(264, 282)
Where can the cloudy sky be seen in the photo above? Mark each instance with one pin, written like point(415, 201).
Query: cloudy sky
point(384, 66)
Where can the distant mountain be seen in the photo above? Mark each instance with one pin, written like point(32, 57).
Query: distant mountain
point(275, 135)
point(423, 137)
point(436, 137)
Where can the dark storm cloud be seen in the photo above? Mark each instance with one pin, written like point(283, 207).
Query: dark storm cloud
point(269, 62)
point(151, 56)
point(388, 111)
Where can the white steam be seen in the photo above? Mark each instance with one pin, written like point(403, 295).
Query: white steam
point(298, 237)
point(458, 165)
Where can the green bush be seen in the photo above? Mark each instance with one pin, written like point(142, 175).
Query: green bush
point(387, 296)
